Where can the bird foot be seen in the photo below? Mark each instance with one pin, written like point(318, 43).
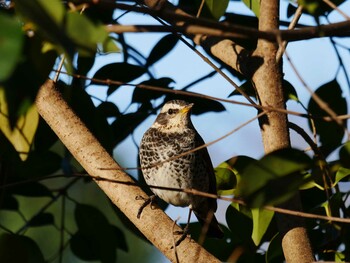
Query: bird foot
point(147, 200)
point(183, 233)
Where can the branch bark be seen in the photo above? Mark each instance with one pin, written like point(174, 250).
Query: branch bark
point(154, 223)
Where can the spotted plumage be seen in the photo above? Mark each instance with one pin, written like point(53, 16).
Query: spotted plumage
point(171, 135)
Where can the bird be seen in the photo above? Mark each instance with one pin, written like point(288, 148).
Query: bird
point(169, 159)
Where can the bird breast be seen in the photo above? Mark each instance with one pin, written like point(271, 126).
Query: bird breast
point(178, 172)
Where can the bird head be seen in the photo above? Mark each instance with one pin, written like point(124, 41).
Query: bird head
point(174, 116)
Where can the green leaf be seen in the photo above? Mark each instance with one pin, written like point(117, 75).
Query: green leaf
point(8, 202)
point(16, 248)
point(84, 64)
point(31, 189)
point(248, 88)
point(84, 247)
point(239, 223)
point(340, 175)
point(122, 72)
point(344, 155)
point(11, 44)
point(201, 105)
point(96, 238)
point(221, 248)
point(141, 95)
point(121, 241)
point(317, 8)
point(261, 221)
point(312, 6)
point(274, 178)
point(274, 252)
point(54, 9)
point(225, 178)
point(339, 256)
point(330, 133)
point(109, 46)
point(108, 109)
point(253, 5)
point(22, 86)
point(48, 18)
point(85, 33)
point(163, 47)
point(42, 219)
point(44, 137)
point(66, 31)
point(125, 124)
point(89, 219)
point(99, 13)
point(230, 172)
point(22, 135)
point(40, 164)
point(86, 110)
point(289, 91)
point(38, 11)
point(312, 198)
point(217, 8)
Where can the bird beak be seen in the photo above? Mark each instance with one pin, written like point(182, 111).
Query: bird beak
point(187, 108)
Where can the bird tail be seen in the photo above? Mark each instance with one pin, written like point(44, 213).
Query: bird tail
point(210, 224)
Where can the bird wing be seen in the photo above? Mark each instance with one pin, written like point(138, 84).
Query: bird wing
point(210, 171)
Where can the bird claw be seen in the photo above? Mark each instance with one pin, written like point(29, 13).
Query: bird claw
point(183, 233)
point(147, 200)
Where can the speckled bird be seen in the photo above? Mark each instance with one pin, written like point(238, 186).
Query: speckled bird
point(171, 135)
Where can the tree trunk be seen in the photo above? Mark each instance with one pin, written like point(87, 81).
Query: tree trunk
point(274, 129)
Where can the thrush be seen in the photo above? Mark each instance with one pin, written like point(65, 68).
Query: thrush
point(168, 160)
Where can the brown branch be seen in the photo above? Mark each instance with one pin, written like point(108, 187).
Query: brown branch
point(340, 29)
point(275, 134)
point(154, 223)
point(177, 17)
point(329, 3)
point(291, 26)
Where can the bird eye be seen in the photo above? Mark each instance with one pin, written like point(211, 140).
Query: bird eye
point(171, 111)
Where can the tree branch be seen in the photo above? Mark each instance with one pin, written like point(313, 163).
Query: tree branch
point(340, 29)
point(154, 223)
point(274, 129)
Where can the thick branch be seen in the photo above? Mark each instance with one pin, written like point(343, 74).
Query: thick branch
point(192, 25)
point(340, 29)
point(274, 129)
point(154, 223)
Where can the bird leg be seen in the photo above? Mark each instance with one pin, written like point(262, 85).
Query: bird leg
point(185, 231)
point(148, 200)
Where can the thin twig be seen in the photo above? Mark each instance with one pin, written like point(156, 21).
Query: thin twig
point(200, 8)
point(52, 201)
point(206, 60)
point(323, 105)
point(174, 241)
point(291, 26)
point(329, 3)
point(335, 29)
